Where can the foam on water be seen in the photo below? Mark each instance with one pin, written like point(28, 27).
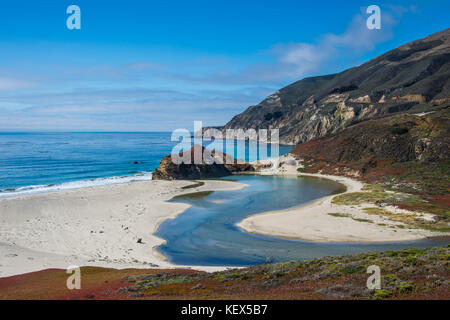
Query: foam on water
point(28, 190)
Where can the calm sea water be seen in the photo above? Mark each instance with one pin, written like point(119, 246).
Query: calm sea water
point(42, 162)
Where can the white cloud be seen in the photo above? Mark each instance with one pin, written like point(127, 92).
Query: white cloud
point(9, 84)
point(127, 109)
point(300, 59)
point(331, 52)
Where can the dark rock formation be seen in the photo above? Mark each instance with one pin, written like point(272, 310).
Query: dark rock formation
point(214, 164)
point(412, 78)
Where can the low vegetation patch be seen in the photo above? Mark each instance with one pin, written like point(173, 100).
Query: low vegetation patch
point(358, 198)
point(377, 195)
point(345, 215)
point(339, 215)
point(407, 273)
point(192, 186)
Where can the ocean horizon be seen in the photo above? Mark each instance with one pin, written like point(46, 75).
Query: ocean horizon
point(38, 162)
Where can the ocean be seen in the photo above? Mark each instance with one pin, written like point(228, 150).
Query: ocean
point(44, 162)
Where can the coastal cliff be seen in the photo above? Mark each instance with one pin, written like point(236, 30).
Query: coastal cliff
point(412, 78)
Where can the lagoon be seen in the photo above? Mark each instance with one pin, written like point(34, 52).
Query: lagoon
point(206, 233)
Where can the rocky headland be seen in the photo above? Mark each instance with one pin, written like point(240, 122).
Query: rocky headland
point(211, 164)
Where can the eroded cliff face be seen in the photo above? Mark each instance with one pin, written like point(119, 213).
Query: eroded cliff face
point(313, 120)
point(413, 78)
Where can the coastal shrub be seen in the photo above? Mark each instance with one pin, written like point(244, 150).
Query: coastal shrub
point(345, 215)
point(403, 275)
point(351, 269)
point(382, 294)
point(357, 198)
point(195, 185)
point(373, 187)
point(399, 130)
point(406, 286)
point(411, 220)
point(344, 89)
point(273, 116)
point(339, 215)
point(362, 220)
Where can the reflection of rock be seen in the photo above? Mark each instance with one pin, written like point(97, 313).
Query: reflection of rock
point(212, 164)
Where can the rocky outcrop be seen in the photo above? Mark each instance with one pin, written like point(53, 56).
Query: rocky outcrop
point(412, 78)
point(209, 164)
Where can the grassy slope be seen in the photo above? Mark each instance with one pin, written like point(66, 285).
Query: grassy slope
point(406, 274)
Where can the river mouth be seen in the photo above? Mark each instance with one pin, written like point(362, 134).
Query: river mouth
point(206, 234)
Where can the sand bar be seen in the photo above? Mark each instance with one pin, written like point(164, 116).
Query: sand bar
point(313, 222)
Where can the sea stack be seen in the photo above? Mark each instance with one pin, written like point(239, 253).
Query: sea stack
point(223, 165)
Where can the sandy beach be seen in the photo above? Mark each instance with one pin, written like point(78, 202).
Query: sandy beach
point(313, 222)
point(113, 225)
point(98, 226)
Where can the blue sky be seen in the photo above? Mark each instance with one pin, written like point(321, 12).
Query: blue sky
point(157, 66)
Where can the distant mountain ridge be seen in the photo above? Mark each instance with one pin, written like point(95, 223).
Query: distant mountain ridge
point(414, 77)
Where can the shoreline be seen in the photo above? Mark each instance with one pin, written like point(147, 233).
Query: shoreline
point(314, 221)
point(32, 190)
point(51, 230)
point(94, 226)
